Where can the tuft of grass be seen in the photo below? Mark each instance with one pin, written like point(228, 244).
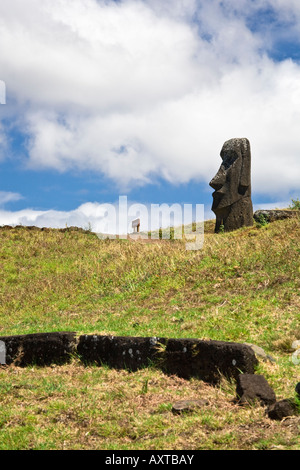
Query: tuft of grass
point(295, 204)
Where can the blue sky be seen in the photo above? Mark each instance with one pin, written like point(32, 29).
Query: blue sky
point(137, 98)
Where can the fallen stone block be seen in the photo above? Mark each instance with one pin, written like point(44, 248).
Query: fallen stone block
point(119, 352)
point(251, 388)
point(207, 360)
point(281, 409)
point(186, 358)
point(39, 348)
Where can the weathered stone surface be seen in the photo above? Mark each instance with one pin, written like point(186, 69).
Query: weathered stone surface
point(281, 409)
point(187, 406)
point(260, 353)
point(232, 184)
point(207, 360)
point(39, 348)
point(275, 214)
point(186, 358)
point(251, 388)
point(119, 352)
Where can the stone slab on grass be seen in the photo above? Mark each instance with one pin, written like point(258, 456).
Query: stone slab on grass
point(119, 352)
point(282, 409)
point(251, 388)
point(208, 360)
point(41, 349)
point(186, 358)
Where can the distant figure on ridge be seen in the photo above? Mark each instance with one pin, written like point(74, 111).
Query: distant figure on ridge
point(232, 196)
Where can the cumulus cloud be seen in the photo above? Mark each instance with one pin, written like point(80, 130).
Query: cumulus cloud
point(7, 196)
point(89, 216)
point(138, 90)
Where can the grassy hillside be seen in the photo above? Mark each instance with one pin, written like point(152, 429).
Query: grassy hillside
point(241, 286)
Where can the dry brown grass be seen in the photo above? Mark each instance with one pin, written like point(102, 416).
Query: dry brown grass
point(73, 407)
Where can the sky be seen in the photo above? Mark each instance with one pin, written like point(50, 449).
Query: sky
point(102, 99)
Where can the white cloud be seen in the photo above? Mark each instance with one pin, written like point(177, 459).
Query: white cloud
point(136, 90)
point(87, 216)
point(6, 196)
point(273, 205)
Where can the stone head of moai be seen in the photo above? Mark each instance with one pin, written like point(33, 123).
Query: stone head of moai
point(232, 184)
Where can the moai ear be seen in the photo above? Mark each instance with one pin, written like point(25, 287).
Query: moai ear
point(245, 176)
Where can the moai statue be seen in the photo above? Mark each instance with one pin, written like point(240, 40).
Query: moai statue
point(232, 196)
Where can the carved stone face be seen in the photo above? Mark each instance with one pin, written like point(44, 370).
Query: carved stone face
point(232, 181)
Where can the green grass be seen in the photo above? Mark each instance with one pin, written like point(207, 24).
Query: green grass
point(241, 286)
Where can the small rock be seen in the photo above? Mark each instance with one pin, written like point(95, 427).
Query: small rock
point(260, 352)
point(251, 388)
point(296, 344)
point(296, 357)
point(185, 406)
point(281, 409)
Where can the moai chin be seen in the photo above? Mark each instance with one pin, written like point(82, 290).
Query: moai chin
point(232, 184)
